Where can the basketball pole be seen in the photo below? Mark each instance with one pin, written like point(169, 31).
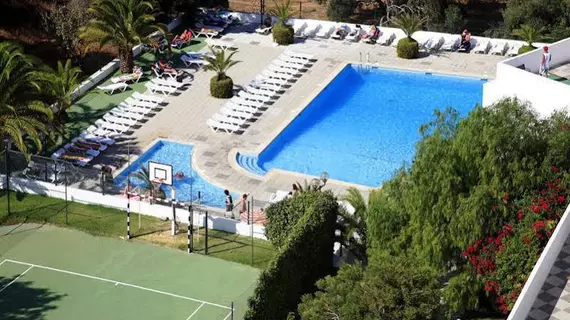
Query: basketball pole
point(128, 191)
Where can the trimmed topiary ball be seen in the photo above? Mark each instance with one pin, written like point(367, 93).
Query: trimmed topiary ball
point(221, 88)
point(408, 48)
point(283, 34)
point(525, 49)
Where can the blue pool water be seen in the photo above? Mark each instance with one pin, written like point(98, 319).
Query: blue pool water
point(180, 157)
point(364, 125)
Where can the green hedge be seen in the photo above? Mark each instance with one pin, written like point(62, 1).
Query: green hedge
point(306, 256)
point(221, 88)
point(285, 214)
point(283, 34)
point(525, 49)
point(408, 48)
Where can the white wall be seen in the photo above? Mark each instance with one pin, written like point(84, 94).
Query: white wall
point(142, 207)
point(541, 269)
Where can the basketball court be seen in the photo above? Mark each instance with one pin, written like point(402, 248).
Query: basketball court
point(53, 273)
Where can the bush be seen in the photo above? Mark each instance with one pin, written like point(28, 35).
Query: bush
point(526, 48)
point(306, 256)
point(283, 216)
point(340, 10)
point(283, 34)
point(222, 88)
point(408, 48)
point(454, 21)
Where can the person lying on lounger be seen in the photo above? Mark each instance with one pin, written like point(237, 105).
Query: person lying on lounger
point(342, 31)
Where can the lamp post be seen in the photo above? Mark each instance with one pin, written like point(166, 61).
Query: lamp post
point(319, 183)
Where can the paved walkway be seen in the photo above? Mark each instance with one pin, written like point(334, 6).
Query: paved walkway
point(184, 119)
point(553, 302)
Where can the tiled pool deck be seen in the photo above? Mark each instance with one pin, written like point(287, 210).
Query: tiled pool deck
point(184, 118)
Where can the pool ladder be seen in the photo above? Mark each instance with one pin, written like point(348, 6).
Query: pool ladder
point(365, 65)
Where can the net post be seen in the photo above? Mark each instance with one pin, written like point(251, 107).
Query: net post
point(232, 311)
point(102, 182)
point(190, 227)
point(66, 203)
point(248, 212)
point(7, 167)
point(173, 219)
point(206, 235)
point(252, 244)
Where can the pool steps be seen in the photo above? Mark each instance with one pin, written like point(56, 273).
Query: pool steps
point(249, 163)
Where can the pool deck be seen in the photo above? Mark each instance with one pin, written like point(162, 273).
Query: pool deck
point(184, 118)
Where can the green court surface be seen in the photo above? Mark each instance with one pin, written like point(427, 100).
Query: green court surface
point(53, 273)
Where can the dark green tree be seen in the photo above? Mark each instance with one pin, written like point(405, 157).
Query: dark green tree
point(388, 288)
point(340, 10)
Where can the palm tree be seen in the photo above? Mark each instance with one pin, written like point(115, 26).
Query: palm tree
point(23, 113)
point(122, 24)
point(353, 225)
point(408, 23)
point(153, 190)
point(60, 84)
point(221, 86)
point(282, 12)
point(529, 34)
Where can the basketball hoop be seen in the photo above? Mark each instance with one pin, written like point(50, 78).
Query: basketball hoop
point(158, 181)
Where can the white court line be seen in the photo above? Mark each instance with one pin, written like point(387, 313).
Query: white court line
point(116, 282)
point(229, 314)
point(193, 313)
point(1, 263)
point(18, 277)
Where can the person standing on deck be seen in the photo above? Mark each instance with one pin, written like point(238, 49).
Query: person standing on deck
point(545, 62)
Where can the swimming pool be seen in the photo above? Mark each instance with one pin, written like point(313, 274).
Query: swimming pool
point(364, 125)
point(180, 157)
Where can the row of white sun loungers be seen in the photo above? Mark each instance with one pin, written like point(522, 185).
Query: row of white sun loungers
point(103, 133)
point(264, 89)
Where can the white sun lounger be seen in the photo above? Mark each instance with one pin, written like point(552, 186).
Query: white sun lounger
point(285, 64)
point(248, 103)
point(110, 88)
point(82, 162)
point(122, 113)
point(96, 139)
point(299, 55)
point(386, 38)
point(433, 43)
point(338, 36)
point(302, 62)
point(154, 88)
point(276, 75)
point(189, 61)
point(278, 69)
point(260, 92)
point(119, 129)
point(137, 103)
point(226, 127)
point(254, 97)
point(499, 48)
point(325, 32)
point(134, 77)
point(141, 110)
point(298, 27)
point(450, 42)
point(354, 35)
point(101, 146)
point(149, 98)
point(101, 133)
point(513, 49)
point(312, 30)
point(265, 85)
point(235, 113)
point(482, 46)
point(222, 44)
point(261, 79)
point(221, 118)
point(264, 31)
point(118, 120)
point(168, 83)
point(243, 108)
point(71, 148)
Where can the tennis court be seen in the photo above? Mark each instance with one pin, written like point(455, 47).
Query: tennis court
point(53, 273)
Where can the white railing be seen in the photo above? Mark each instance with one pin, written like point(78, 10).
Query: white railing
point(541, 269)
point(143, 207)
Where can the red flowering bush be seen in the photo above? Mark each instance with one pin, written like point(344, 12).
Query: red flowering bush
point(504, 260)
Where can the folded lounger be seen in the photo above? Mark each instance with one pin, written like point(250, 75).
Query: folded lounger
point(325, 32)
point(499, 48)
point(222, 44)
point(450, 42)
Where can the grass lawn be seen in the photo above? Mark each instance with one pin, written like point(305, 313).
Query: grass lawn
point(101, 221)
point(94, 104)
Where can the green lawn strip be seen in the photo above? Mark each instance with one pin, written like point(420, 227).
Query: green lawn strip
point(102, 221)
point(94, 104)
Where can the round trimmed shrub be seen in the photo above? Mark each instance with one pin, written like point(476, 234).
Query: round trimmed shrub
point(525, 49)
point(221, 88)
point(408, 48)
point(283, 34)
